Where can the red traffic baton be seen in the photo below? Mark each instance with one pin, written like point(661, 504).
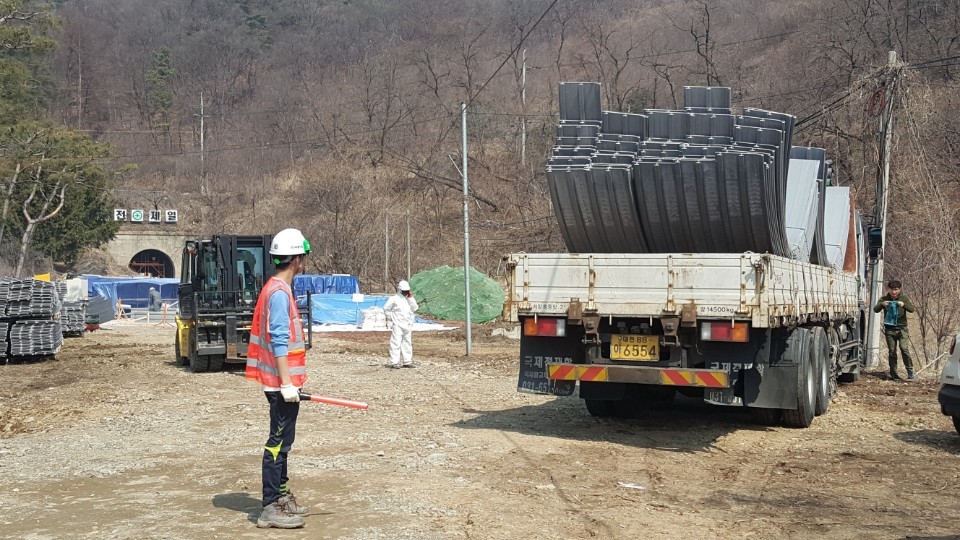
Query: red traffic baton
point(333, 401)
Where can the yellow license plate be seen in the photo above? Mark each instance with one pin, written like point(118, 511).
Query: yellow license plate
point(634, 347)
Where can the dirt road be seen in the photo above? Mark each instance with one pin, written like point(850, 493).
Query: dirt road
point(115, 441)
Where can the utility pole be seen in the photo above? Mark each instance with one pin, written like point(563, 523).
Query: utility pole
point(386, 252)
point(408, 244)
point(466, 224)
point(523, 111)
point(203, 170)
point(79, 83)
point(880, 207)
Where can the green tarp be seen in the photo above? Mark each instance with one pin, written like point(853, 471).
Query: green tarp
point(440, 295)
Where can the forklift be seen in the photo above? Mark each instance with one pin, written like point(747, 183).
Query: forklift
point(220, 280)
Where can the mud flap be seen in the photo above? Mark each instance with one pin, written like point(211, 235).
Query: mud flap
point(772, 382)
point(535, 353)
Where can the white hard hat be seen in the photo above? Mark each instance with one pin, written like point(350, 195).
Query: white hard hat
point(289, 242)
point(152, 289)
point(403, 285)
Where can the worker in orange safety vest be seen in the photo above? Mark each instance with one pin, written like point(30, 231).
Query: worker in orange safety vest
point(276, 358)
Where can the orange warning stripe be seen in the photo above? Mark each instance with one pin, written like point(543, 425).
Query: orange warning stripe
point(670, 377)
point(593, 373)
point(676, 377)
point(712, 380)
point(562, 372)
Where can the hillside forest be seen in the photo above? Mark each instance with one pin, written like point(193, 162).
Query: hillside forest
point(342, 118)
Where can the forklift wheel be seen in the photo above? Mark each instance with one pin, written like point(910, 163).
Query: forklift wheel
point(180, 359)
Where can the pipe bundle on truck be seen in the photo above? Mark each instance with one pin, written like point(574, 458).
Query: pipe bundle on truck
point(707, 255)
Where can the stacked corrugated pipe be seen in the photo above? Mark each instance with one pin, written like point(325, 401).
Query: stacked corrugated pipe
point(697, 180)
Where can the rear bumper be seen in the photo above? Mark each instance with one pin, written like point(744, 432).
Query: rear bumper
point(704, 378)
point(949, 398)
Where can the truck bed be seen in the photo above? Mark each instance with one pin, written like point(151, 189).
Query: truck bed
point(767, 290)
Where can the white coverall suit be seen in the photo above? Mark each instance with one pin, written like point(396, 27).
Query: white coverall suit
point(399, 310)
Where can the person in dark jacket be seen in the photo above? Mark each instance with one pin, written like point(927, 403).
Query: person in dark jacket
point(155, 300)
point(895, 306)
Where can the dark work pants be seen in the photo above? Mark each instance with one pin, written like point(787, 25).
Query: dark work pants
point(283, 429)
point(897, 337)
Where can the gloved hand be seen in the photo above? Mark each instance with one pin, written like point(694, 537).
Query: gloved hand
point(290, 393)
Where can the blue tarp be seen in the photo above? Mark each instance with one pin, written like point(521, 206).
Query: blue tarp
point(325, 284)
point(131, 291)
point(341, 309)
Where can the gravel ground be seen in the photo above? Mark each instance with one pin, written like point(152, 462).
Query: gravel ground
point(113, 440)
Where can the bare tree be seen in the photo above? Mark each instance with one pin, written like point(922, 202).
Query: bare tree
point(46, 195)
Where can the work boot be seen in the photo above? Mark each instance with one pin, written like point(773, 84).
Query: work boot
point(273, 515)
point(910, 375)
point(894, 376)
point(289, 503)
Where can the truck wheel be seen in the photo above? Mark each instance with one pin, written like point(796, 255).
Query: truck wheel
point(821, 348)
point(601, 408)
point(766, 417)
point(802, 415)
point(833, 362)
point(956, 423)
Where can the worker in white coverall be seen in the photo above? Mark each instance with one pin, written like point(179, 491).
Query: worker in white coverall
point(399, 310)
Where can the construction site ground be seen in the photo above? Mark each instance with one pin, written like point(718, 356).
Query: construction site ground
point(114, 440)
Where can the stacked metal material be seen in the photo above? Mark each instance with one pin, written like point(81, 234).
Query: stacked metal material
point(32, 298)
point(4, 291)
point(803, 204)
point(72, 318)
point(72, 314)
point(818, 254)
point(35, 338)
point(836, 224)
point(32, 312)
point(4, 342)
point(696, 180)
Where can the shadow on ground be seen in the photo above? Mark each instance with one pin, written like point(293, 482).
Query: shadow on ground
point(948, 441)
point(239, 502)
point(689, 425)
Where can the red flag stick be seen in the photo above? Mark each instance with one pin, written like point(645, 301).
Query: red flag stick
point(333, 401)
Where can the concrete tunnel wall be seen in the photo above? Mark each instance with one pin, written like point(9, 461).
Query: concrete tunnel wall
point(128, 243)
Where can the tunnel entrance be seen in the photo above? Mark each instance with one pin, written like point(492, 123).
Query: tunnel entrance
point(154, 263)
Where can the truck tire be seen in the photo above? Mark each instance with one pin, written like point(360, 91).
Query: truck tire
point(821, 348)
point(956, 423)
point(601, 408)
point(802, 415)
point(766, 417)
point(833, 362)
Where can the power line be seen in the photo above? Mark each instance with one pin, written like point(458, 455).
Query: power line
point(279, 145)
point(513, 52)
point(916, 65)
point(682, 51)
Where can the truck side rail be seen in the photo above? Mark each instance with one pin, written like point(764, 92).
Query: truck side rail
point(767, 290)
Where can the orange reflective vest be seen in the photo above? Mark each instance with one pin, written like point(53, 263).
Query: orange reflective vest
point(261, 363)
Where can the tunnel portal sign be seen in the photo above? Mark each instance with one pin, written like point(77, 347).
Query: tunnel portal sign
point(149, 216)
